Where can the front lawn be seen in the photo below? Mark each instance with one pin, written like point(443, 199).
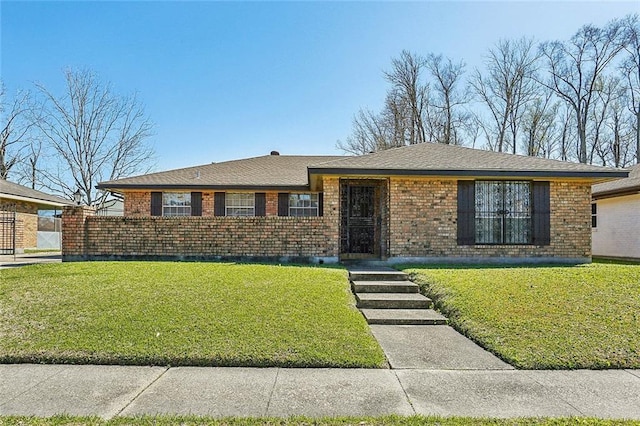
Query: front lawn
point(544, 317)
point(163, 313)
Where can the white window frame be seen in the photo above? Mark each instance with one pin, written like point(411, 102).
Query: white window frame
point(240, 204)
point(176, 204)
point(304, 204)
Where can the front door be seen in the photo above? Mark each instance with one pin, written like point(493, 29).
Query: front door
point(361, 218)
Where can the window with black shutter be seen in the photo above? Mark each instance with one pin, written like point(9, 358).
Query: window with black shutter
point(466, 212)
point(283, 204)
point(156, 204)
point(219, 204)
point(503, 212)
point(260, 204)
point(541, 214)
point(196, 204)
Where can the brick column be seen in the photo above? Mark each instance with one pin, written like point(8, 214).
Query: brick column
point(74, 232)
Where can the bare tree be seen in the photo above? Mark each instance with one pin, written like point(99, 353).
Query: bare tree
point(610, 125)
point(14, 130)
point(446, 117)
point(630, 68)
point(370, 133)
point(95, 134)
point(539, 125)
point(28, 170)
point(575, 66)
point(506, 88)
point(409, 91)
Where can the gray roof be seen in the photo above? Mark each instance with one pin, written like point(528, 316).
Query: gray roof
point(439, 159)
point(13, 191)
point(620, 186)
point(293, 172)
point(268, 171)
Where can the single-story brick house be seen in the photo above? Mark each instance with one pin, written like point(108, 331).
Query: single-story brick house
point(23, 203)
point(426, 202)
point(615, 217)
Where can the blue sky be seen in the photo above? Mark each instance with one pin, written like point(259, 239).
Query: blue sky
point(225, 80)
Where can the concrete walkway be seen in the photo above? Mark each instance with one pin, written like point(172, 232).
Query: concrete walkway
point(22, 259)
point(108, 391)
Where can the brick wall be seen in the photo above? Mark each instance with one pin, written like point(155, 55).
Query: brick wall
point(26, 230)
point(198, 237)
point(138, 204)
point(74, 229)
point(26, 226)
point(423, 222)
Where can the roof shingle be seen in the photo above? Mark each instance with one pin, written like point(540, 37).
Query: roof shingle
point(286, 171)
point(621, 186)
point(11, 190)
point(433, 158)
point(292, 172)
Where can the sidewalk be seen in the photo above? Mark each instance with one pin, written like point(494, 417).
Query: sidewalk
point(108, 391)
point(22, 259)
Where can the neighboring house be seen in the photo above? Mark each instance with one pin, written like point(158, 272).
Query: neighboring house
point(426, 202)
point(616, 217)
point(19, 207)
point(111, 207)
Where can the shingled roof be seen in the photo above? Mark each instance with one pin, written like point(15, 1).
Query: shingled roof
point(13, 191)
point(449, 160)
point(291, 172)
point(268, 171)
point(630, 185)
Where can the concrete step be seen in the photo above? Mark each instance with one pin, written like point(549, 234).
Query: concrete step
point(384, 287)
point(377, 274)
point(403, 317)
point(392, 301)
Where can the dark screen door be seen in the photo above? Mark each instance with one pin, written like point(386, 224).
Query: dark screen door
point(361, 220)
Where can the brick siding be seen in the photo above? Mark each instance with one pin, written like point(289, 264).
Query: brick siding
point(26, 227)
point(422, 224)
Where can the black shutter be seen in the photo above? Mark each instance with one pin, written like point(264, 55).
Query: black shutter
point(218, 204)
point(541, 214)
point(261, 204)
point(466, 212)
point(196, 204)
point(156, 204)
point(321, 204)
point(283, 204)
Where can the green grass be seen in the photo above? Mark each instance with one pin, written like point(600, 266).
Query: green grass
point(544, 317)
point(163, 313)
point(299, 421)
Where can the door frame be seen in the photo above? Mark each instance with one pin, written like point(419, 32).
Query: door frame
point(381, 218)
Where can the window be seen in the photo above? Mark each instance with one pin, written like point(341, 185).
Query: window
point(303, 205)
point(594, 215)
point(176, 204)
point(503, 212)
point(240, 204)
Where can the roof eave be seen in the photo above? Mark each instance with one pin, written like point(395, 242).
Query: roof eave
point(470, 173)
point(132, 187)
point(618, 192)
point(39, 202)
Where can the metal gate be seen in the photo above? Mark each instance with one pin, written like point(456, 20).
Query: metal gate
point(362, 216)
point(8, 229)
